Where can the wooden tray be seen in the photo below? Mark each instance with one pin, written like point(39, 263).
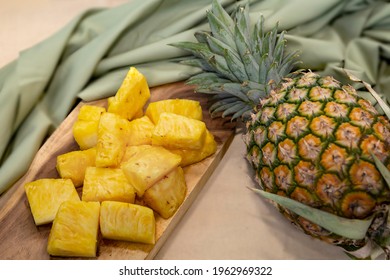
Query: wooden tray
point(21, 239)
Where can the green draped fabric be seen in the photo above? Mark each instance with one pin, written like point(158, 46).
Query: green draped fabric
point(88, 58)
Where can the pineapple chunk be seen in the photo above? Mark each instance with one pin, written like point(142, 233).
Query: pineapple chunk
point(193, 156)
point(137, 115)
point(128, 222)
point(179, 132)
point(185, 107)
point(75, 230)
point(102, 184)
point(86, 126)
point(132, 150)
point(168, 194)
point(46, 195)
point(140, 131)
point(111, 143)
point(149, 165)
point(72, 165)
point(131, 96)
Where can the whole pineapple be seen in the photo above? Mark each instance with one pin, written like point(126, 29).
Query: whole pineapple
point(309, 138)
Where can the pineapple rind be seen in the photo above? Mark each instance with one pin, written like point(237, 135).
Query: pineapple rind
point(249, 77)
point(46, 195)
point(127, 222)
point(328, 156)
point(75, 230)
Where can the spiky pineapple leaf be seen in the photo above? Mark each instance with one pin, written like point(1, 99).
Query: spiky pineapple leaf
point(235, 90)
point(382, 169)
point(381, 102)
point(220, 30)
point(255, 60)
point(349, 228)
point(197, 62)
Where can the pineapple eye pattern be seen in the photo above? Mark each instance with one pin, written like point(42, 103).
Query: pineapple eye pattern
point(313, 135)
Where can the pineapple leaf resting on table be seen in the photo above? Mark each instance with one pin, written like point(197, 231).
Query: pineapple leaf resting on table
point(320, 151)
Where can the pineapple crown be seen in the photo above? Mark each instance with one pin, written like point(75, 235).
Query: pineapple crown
point(241, 64)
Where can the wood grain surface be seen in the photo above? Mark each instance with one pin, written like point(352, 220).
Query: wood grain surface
point(20, 238)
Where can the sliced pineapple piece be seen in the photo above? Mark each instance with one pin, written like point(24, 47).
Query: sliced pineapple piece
point(193, 156)
point(111, 103)
point(128, 222)
point(75, 230)
point(168, 194)
point(131, 96)
point(185, 107)
point(111, 143)
point(86, 126)
point(46, 195)
point(72, 165)
point(174, 131)
point(140, 131)
point(102, 184)
point(148, 165)
point(132, 150)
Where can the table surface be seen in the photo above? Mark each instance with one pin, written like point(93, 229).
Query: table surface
point(227, 220)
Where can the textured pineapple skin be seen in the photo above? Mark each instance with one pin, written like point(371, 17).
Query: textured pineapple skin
point(72, 165)
point(310, 140)
point(102, 184)
point(131, 96)
point(174, 131)
point(148, 165)
point(184, 107)
point(127, 222)
point(166, 196)
point(46, 195)
point(75, 230)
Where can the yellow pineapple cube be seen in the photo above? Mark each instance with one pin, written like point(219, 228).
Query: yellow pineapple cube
point(149, 165)
point(72, 165)
point(46, 195)
point(193, 156)
point(111, 103)
point(75, 230)
point(86, 126)
point(132, 150)
point(185, 107)
point(179, 132)
point(166, 196)
point(128, 222)
point(111, 143)
point(131, 96)
point(140, 131)
point(102, 184)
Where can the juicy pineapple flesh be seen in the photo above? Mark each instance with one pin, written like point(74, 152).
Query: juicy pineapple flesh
point(123, 155)
point(311, 140)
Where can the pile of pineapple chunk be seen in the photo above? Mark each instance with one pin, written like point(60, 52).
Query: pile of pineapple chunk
point(129, 168)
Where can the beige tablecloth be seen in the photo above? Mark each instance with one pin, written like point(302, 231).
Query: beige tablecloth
point(227, 220)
